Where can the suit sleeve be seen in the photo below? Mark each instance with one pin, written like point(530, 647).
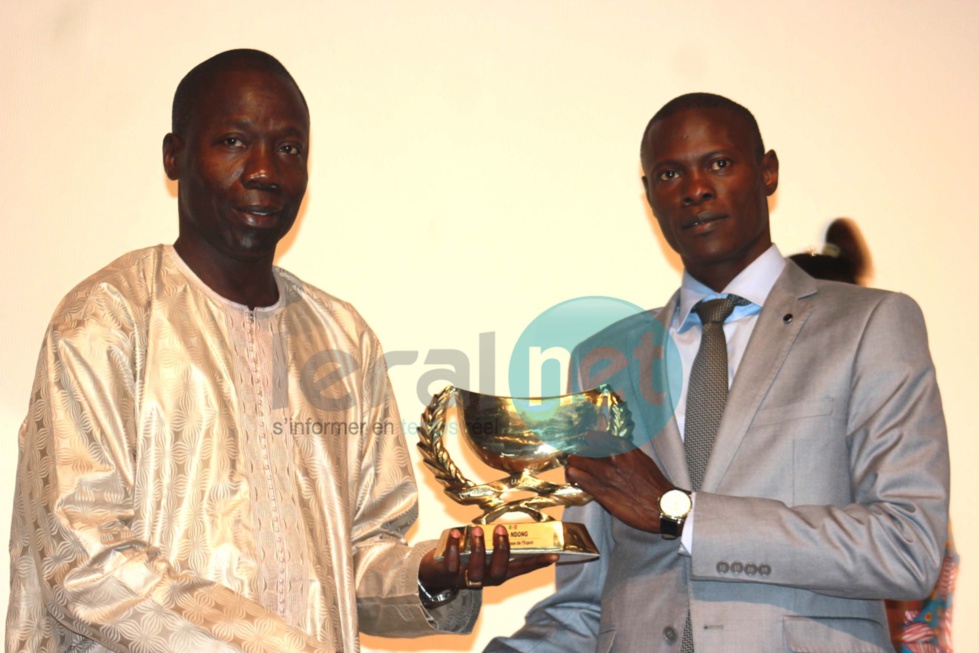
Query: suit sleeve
point(887, 542)
point(76, 555)
point(568, 620)
point(388, 603)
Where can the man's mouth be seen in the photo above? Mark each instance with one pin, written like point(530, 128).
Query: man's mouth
point(260, 215)
point(701, 219)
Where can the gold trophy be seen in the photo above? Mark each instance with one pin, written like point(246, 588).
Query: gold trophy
point(522, 437)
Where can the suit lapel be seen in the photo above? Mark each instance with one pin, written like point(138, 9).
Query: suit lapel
point(665, 447)
point(770, 342)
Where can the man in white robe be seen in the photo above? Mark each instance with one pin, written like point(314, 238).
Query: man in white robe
point(213, 458)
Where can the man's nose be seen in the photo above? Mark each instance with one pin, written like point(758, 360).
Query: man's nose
point(262, 168)
point(698, 188)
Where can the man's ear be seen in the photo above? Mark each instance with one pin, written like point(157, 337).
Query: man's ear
point(172, 145)
point(769, 171)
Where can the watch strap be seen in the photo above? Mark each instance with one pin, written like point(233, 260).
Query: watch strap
point(437, 600)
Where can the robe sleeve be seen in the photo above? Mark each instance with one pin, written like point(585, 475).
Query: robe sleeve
point(386, 567)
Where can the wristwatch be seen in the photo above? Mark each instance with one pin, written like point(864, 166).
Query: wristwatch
point(437, 600)
point(674, 506)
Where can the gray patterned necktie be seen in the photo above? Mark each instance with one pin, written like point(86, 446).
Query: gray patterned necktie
point(706, 396)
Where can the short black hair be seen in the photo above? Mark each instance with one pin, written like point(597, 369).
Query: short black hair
point(189, 87)
point(701, 101)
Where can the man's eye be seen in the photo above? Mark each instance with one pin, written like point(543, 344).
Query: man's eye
point(291, 150)
point(668, 175)
point(720, 164)
point(233, 141)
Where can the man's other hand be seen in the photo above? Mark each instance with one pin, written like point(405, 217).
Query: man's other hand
point(449, 572)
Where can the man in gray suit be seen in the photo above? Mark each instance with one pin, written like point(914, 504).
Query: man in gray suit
point(826, 481)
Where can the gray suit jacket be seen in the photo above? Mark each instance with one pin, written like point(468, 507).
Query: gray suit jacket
point(826, 491)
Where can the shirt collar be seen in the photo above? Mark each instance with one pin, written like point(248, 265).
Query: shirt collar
point(753, 283)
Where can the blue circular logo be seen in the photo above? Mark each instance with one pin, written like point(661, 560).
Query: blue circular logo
point(586, 342)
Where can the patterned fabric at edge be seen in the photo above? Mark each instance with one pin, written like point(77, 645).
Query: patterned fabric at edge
point(198, 476)
point(929, 629)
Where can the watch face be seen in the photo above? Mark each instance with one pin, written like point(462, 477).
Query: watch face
point(675, 503)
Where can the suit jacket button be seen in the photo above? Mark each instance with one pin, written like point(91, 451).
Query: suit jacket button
point(750, 569)
point(722, 567)
point(737, 567)
point(764, 570)
point(669, 634)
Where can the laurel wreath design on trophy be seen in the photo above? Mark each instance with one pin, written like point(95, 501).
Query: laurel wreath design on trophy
point(490, 496)
point(431, 445)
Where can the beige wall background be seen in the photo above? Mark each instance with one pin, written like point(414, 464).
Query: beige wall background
point(467, 155)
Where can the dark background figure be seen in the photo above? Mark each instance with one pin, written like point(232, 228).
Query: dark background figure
point(916, 626)
point(844, 257)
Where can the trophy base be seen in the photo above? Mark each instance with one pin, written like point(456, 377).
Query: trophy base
point(569, 540)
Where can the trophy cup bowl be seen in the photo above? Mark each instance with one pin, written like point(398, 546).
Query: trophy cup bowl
point(521, 437)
